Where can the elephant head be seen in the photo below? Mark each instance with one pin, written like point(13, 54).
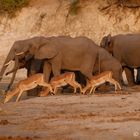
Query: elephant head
point(106, 43)
point(10, 57)
point(19, 50)
point(46, 51)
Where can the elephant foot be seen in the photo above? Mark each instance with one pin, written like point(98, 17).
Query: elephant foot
point(138, 82)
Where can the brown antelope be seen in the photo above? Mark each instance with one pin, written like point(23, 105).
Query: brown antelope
point(27, 84)
point(101, 79)
point(63, 80)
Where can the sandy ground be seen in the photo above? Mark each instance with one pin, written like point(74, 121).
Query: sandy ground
point(102, 116)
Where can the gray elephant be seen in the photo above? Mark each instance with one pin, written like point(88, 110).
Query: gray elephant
point(18, 53)
point(64, 52)
point(78, 54)
point(126, 48)
point(106, 62)
point(71, 52)
point(32, 66)
point(58, 53)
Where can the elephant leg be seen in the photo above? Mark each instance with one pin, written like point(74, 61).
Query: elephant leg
point(88, 66)
point(47, 71)
point(56, 67)
point(117, 75)
point(36, 65)
point(14, 73)
point(11, 71)
point(80, 78)
point(12, 80)
point(87, 74)
point(138, 76)
point(33, 67)
point(130, 76)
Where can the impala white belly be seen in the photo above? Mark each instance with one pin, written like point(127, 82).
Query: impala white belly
point(29, 86)
point(100, 83)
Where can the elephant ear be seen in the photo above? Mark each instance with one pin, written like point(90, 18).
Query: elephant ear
point(103, 42)
point(109, 38)
point(46, 51)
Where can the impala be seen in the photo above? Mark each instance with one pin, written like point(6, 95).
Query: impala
point(27, 84)
point(101, 79)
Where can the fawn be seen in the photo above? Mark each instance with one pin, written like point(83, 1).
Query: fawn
point(100, 79)
point(27, 84)
point(63, 80)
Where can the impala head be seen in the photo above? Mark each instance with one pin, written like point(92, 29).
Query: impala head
point(8, 96)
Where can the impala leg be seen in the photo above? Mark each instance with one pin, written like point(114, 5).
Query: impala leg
point(75, 89)
point(78, 86)
point(19, 96)
point(73, 85)
point(94, 90)
point(83, 91)
point(86, 88)
point(112, 82)
point(117, 84)
point(91, 89)
point(55, 90)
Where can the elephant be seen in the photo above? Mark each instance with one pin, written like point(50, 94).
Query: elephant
point(78, 54)
point(19, 53)
point(106, 62)
point(58, 53)
point(125, 48)
point(32, 66)
point(72, 53)
point(67, 53)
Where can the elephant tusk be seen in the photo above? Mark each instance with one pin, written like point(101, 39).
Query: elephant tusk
point(8, 63)
point(20, 53)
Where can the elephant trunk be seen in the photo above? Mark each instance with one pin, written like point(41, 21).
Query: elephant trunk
point(9, 58)
point(2, 72)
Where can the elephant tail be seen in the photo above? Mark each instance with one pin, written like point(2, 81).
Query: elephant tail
point(99, 64)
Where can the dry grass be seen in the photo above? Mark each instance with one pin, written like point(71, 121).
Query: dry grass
point(10, 7)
